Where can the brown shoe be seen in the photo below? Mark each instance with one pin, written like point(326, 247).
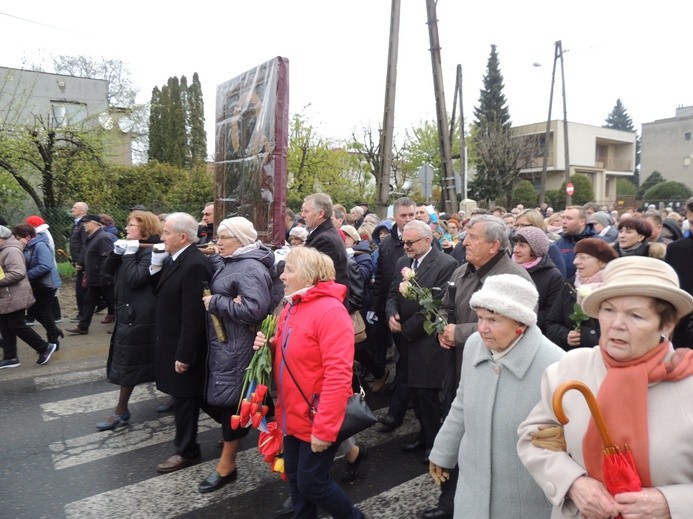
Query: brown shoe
point(176, 462)
point(108, 319)
point(378, 384)
point(76, 331)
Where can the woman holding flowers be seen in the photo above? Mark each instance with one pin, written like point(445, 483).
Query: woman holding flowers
point(313, 361)
point(566, 324)
point(240, 299)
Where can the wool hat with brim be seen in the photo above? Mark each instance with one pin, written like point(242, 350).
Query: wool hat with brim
point(508, 295)
point(639, 276)
point(91, 218)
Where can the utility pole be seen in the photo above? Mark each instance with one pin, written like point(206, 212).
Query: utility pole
point(383, 178)
point(568, 197)
point(447, 172)
point(457, 97)
point(558, 54)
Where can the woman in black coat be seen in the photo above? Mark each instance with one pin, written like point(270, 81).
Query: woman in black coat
point(531, 252)
point(591, 257)
point(130, 358)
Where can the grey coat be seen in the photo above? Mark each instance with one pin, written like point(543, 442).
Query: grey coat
point(246, 275)
point(15, 289)
point(480, 431)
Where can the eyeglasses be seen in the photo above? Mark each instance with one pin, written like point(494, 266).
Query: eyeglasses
point(220, 237)
point(410, 243)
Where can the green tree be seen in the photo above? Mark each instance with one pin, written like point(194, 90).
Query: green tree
point(176, 123)
point(625, 187)
point(525, 194)
point(196, 118)
point(668, 191)
point(316, 164)
point(156, 130)
point(422, 147)
point(651, 181)
point(583, 191)
point(619, 119)
point(49, 163)
point(496, 155)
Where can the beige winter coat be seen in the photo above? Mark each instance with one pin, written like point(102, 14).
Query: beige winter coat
point(15, 289)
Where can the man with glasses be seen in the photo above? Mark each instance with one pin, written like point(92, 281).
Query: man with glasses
point(421, 364)
point(206, 230)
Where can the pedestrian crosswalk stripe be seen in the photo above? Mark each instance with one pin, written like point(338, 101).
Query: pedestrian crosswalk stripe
point(172, 494)
point(397, 502)
point(69, 379)
point(103, 444)
point(95, 402)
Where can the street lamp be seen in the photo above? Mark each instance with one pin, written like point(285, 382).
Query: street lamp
point(558, 54)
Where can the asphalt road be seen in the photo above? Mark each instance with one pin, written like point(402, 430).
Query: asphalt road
point(55, 464)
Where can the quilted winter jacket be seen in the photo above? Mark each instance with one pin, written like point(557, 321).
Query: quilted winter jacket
point(248, 276)
point(315, 338)
point(15, 289)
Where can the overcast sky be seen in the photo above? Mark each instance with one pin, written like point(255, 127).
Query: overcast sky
point(337, 52)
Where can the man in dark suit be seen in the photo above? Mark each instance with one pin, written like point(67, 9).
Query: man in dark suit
point(317, 212)
point(421, 363)
point(180, 354)
point(78, 241)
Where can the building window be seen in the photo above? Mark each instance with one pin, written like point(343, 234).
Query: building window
point(687, 136)
point(68, 114)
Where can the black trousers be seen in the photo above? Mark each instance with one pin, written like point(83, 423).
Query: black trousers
point(94, 295)
point(42, 311)
point(186, 412)
point(13, 325)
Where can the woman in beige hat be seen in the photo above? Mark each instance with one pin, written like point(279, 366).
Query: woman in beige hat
point(644, 389)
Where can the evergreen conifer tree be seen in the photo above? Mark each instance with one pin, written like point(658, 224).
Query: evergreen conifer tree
point(619, 119)
point(198, 137)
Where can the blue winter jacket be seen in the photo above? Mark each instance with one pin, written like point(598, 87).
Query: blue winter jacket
point(39, 260)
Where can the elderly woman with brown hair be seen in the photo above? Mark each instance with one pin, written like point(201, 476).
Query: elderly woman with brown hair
point(644, 389)
point(633, 236)
point(563, 325)
point(313, 368)
point(130, 356)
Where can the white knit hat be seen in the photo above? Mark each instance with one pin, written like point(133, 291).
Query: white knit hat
point(241, 228)
point(508, 295)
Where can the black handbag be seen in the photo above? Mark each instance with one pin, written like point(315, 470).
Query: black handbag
point(358, 416)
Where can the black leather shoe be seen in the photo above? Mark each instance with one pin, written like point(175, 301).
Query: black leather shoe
point(286, 510)
point(415, 446)
point(215, 481)
point(389, 423)
point(436, 513)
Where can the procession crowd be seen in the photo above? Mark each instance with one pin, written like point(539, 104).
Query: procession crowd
point(527, 305)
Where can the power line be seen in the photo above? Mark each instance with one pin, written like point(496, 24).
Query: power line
point(39, 23)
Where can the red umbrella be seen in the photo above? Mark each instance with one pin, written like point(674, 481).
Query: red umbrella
point(618, 465)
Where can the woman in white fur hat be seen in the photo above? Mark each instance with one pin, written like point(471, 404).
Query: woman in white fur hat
point(501, 373)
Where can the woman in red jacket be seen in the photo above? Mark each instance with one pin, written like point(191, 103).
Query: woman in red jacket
point(313, 363)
